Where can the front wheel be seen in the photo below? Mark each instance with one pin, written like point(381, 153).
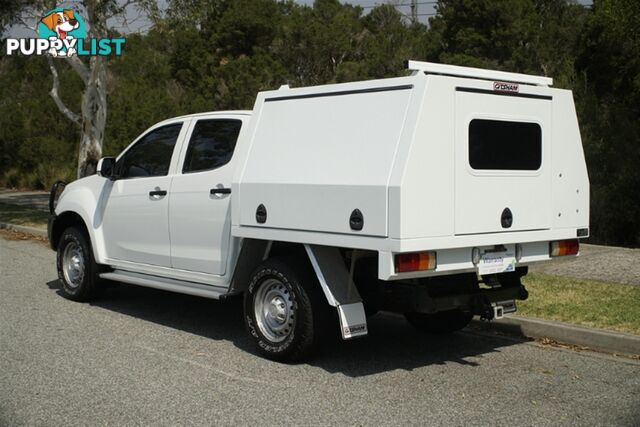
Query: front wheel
point(279, 310)
point(443, 322)
point(77, 269)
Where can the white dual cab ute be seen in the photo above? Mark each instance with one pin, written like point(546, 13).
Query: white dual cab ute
point(427, 195)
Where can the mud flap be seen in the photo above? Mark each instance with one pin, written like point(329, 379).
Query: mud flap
point(339, 289)
point(353, 321)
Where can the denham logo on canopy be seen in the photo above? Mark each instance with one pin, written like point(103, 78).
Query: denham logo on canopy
point(506, 87)
point(62, 33)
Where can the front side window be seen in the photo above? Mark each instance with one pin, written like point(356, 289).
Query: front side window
point(503, 145)
point(151, 155)
point(211, 145)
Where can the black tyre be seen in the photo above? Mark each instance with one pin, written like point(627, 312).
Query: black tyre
point(283, 309)
point(440, 323)
point(77, 270)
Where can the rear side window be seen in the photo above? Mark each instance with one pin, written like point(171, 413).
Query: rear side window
point(151, 155)
point(211, 145)
point(502, 145)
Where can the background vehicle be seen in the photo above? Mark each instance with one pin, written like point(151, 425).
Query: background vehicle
point(427, 195)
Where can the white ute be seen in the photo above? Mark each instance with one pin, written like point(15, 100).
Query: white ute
point(427, 195)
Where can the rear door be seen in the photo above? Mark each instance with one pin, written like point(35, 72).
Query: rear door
point(199, 201)
point(502, 167)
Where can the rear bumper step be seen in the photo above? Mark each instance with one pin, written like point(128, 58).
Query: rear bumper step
point(487, 302)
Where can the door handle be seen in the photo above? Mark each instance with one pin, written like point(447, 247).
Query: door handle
point(157, 193)
point(220, 191)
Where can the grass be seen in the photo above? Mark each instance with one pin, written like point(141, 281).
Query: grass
point(23, 215)
point(611, 306)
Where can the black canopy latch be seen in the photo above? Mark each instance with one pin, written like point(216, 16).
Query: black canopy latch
point(356, 220)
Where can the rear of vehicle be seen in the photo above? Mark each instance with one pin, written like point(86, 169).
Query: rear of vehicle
point(495, 180)
point(437, 189)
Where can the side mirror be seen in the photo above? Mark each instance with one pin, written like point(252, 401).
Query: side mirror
point(106, 167)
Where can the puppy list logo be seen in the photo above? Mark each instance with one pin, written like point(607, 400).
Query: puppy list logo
point(62, 33)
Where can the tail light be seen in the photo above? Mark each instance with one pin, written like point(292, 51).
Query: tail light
point(564, 247)
point(415, 261)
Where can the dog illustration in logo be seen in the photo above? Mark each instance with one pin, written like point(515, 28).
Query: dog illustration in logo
point(61, 23)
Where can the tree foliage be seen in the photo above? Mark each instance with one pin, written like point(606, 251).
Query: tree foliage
point(609, 109)
point(216, 54)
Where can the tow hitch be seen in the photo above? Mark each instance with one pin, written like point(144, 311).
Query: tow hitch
point(495, 310)
point(498, 310)
point(490, 306)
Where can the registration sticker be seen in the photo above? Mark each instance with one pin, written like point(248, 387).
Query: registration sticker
point(497, 262)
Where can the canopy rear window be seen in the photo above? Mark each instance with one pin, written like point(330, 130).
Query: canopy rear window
point(505, 145)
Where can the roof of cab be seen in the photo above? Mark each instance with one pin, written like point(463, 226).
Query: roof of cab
point(212, 113)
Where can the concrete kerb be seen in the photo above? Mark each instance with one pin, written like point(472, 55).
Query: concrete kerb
point(24, 229)
point(596, 339)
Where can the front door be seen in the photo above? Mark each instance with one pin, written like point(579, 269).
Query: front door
point(199, 200)
point(136, 216)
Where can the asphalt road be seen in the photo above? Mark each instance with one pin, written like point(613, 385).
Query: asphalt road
point(141, 356)
point(34, 199)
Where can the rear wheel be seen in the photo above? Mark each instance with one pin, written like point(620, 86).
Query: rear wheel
point(77, 269)
point(282, 308)
point(440, 323)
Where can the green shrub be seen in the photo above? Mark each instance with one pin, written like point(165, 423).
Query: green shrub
point(47, 174)
point(29, 181)
point(11, 178)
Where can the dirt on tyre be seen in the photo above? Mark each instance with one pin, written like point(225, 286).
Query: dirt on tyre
point(444, 322)
point(284, 310)
point(77, 269)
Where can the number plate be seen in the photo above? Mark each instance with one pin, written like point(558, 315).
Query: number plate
point(497, 262)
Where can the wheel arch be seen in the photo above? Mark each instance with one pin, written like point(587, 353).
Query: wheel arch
point(62, 222)
point(253, 252)
point(68, 219)
point(82, 202)
point(327, 263)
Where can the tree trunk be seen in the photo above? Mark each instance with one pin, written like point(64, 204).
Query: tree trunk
point(94, 117)
point(94, 98)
